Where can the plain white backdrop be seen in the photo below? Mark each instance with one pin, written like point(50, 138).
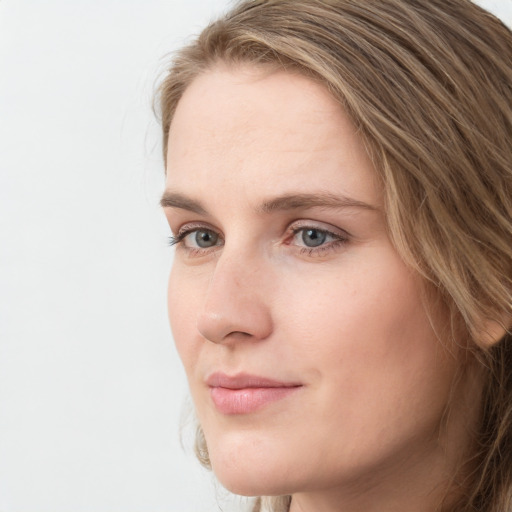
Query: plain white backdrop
point(91, 389)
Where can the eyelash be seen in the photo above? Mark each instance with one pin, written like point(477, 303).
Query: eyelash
point(337, 241)
point(176, 240)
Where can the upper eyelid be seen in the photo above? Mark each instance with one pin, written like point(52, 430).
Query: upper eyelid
point(320, 226)
point(292, 227)
point(336, 236)
point(193, 226)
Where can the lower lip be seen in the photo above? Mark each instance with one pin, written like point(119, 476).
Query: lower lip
point(247, 400)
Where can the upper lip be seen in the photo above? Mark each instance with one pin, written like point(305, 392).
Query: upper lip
point(245, 380)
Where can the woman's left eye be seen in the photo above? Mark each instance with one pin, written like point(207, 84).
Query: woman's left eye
point(312, 239)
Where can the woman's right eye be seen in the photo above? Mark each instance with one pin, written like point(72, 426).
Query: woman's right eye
point(197, 239)
point(201, 239)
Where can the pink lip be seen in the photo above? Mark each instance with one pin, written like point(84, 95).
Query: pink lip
point(244, 393)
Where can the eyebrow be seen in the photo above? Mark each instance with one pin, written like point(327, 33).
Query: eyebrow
point(282, 203)
point(304, 201)
point(177, 200)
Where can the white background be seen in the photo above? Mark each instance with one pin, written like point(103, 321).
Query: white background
point(91, 389)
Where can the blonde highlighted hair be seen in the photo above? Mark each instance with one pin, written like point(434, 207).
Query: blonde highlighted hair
point(428, 84)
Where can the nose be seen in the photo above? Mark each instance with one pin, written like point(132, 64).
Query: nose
point(236, 305)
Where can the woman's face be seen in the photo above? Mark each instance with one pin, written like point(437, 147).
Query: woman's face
point(311, 360)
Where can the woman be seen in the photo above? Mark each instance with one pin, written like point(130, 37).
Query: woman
point(339, 180)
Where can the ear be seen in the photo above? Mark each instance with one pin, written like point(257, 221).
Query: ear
point(492, 332)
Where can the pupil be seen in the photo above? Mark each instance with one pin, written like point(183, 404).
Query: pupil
point(313, 237)
point(206, 239)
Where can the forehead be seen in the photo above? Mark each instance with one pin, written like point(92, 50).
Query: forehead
point(264, 128)
point(246, 99)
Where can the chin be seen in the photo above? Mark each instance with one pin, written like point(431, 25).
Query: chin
point(253, 482)
point(248, 469)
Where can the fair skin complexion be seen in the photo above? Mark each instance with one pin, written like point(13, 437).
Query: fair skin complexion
point(284, 271)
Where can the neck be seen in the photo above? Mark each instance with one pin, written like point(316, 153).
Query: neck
point(410, 488)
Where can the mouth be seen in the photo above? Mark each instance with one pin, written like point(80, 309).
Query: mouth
point(244, 393)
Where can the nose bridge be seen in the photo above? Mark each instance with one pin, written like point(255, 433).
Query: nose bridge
point(236, 304)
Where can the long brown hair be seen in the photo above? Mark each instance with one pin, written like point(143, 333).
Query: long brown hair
point(428, 84)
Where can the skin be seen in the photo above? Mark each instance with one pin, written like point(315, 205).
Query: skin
point(346, 320)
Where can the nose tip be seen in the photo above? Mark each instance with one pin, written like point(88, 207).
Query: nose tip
point(236, 306)
point(231, 325)
point(216, 327)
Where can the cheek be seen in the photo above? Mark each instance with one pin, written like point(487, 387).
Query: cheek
point(367, 332)
point(334, 308)
point(370, 301)
point(183, 298)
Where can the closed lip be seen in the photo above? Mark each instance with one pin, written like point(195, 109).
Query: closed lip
point(246, 381)
point(243, 393)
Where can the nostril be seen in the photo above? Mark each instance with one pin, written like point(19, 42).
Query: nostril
point(249, 322)
point(239, 334)
point(218, 329)
point(234, 309)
